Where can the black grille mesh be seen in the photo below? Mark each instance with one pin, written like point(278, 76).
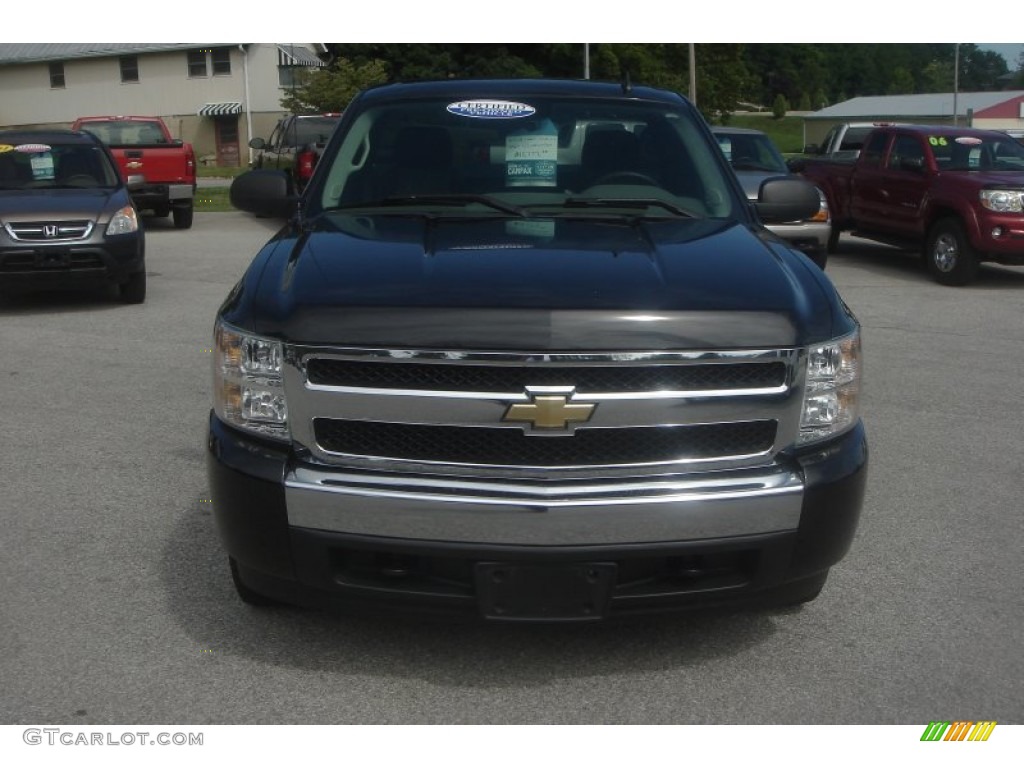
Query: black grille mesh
point(505, 378)
point(511, 447)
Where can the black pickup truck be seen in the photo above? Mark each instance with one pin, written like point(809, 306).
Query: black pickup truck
point(525, 351)
point(295, 145)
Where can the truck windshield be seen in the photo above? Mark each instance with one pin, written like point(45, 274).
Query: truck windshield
point(751, 152)
point(551, 152)
point(126, 133)
point(310, 130)
point(976, 153)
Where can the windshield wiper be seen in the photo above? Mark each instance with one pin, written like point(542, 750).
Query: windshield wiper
point(627, 202)
point(451, 199)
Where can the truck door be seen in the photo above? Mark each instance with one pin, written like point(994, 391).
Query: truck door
point(907, 180)
point(868, 204)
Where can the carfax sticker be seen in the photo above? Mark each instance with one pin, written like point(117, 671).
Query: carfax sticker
point(490, 109)
point(31, 149)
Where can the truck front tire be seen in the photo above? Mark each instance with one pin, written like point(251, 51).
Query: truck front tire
point(133, 291)
point(949, 255)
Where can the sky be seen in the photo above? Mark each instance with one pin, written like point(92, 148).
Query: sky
point(1010, 51)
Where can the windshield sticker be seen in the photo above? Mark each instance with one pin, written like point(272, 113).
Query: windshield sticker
point(42, 166)
point(32, 148)
point(6, 148)
point(970, 141)
point(937, 141)
point(531, 157)
point(489, 109)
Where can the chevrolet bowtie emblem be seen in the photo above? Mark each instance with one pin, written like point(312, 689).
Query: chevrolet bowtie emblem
point(550, 411)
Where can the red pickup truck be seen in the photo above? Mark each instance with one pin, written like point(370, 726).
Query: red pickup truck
point(957, 193)
point(143, 147)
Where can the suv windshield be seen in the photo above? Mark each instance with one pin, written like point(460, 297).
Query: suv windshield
point(569, 154)
point(35, 166)
point(751, 152)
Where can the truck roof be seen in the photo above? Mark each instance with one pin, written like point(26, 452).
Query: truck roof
point(504, 89)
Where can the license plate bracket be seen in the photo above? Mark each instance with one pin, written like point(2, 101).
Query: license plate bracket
point(570, 592)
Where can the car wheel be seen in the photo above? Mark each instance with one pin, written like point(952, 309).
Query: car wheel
point(133, 291)
point(245, 594)
point(949, 255)
point(183, 216)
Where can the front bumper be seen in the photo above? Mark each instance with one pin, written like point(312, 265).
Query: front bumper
point(808, 236)
point(307, 537)
point(101, 259)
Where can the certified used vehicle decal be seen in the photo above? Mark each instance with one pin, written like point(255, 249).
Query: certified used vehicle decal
point(31, 149)
point(490, 109)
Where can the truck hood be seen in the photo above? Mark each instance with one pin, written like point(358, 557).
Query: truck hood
point(48, 204)
point(500, 283)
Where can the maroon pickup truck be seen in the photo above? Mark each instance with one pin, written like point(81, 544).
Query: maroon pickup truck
point(162, 168)
point(957, 193)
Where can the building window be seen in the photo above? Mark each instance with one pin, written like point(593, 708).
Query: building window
point(129, 69)
point(197, 62)
point(286, 76)
point(56, 74)
point(221, 60)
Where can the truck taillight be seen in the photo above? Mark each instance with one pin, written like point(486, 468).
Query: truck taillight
point(305, 162)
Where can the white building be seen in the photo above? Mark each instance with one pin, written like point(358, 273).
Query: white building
point(214, 95)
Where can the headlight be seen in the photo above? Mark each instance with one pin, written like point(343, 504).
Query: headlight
point(124, 222)
point(248, 390)
point(832, 391)
point(1003, 200)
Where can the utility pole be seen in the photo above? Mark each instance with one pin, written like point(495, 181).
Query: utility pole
point(956, 80)
point(693, 75)
point(586, 61)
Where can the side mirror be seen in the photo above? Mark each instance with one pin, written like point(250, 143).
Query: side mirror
point(257, 143)
point(783, 199)
point(796, 164)
point(811, 149)
point(264, 193)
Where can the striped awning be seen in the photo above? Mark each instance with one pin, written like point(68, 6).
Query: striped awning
point(220, 108)
point(296, 56)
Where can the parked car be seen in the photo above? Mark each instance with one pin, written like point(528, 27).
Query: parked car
point(957, 194)
point(755, 158)
point(66, 217)
point(842, 142)
point(164, 167)
point(295, 146)
point(481, 373)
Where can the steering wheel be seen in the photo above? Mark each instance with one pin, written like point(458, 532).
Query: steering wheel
point(626, 177)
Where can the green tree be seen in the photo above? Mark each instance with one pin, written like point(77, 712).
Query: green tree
point(902, 82)
point(780, 107)
point(805, 102)
point(819, 100)
point(331, 89)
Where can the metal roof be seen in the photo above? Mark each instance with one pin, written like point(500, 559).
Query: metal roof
point(27, 53)
point(914, 105)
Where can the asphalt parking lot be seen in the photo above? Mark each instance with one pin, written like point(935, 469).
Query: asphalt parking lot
point(118, 607)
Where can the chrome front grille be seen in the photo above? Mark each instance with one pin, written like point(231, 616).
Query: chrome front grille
point(448, 412)
point(48, 231)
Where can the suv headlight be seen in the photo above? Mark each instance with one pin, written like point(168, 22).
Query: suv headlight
point(124, 222)
point(248, 389)
point(832, 390)
point(1003, 200)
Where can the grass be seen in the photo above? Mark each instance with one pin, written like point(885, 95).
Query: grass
point(213, 200)
point(787, 133)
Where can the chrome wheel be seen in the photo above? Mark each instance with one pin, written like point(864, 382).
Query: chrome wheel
point(945, 252)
